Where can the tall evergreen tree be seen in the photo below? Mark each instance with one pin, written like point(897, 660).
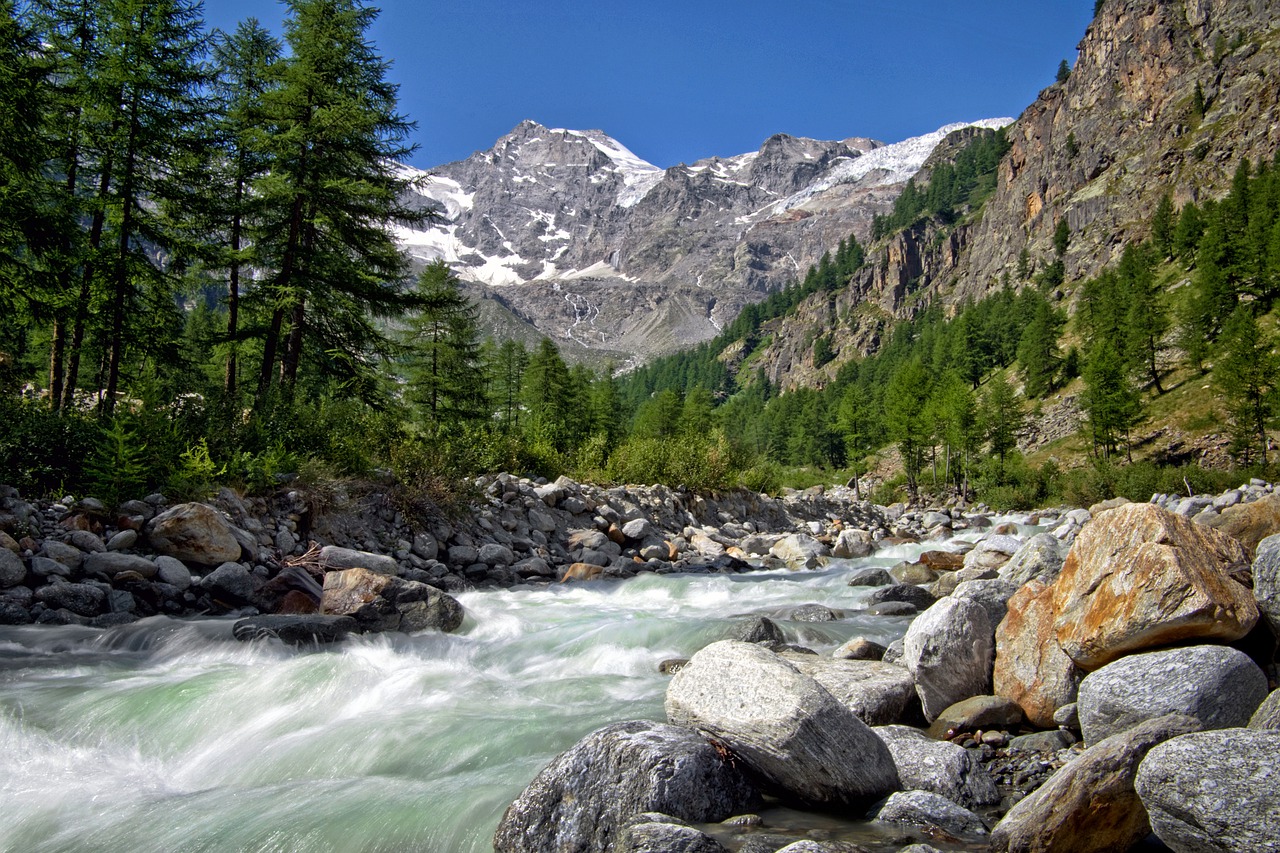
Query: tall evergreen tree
point(1003, 420)
point(446, 376)
point(905, 399)
point(1109, 400)
point(152, 60)
point(332, 191)
point(1163, 223)
point(243, 73)
point(1247, 375)
point(1147, 320)
point(1039, 357)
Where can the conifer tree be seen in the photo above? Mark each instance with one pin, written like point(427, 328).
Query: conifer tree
point(446, 377)
point(152, 62)
point(1163, 223)
point(1038, 354)
point(332, 191)
point(243, 72)
point(505, 365)
point(1003, 420)
point(905, 399)
point(1247, 375)
point(1109, 400)
point(1146, 321)
point(548, 396)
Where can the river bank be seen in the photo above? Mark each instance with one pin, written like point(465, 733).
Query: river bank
point(778, 572)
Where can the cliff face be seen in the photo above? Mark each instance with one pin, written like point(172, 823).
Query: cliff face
point(1098, 149)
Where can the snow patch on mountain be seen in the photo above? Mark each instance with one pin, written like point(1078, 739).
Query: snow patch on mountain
point(897, 162)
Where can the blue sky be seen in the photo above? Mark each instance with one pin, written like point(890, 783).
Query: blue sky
point(679, 81)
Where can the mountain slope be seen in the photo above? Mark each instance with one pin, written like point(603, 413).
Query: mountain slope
point(613, 257)
point(1098, 150)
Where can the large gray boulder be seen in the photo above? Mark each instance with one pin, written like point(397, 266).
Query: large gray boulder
point(1268, 714)
point(1089, 806)
point(1040, 558)
point(928, 810)
point(993, 594)
point(943, 768)
point(658, 834)
point(194, 533)
point(1215, 791)
point(1266, 581)
point(82, 599)
point(112, 563)
point(333, 559)
point(949, 649)
point(799, 551)
point(12, 572)
point(583, 799)
point(877, 693)
point(782, 724)
point(1218, 685)
point(382, 602)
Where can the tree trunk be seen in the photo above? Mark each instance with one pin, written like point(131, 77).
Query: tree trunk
point(119, 297)
point(233, 296)
point(96, 225)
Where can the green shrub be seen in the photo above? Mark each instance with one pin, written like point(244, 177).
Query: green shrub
point(117, 469)
point(196, 476)
point(42, 451)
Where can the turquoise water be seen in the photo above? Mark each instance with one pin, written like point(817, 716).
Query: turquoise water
point(169, 735)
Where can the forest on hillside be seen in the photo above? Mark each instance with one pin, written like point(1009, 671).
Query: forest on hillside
point(199, 287)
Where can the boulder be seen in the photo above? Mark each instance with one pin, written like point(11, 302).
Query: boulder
point(976, 712)
point(173, 572)
point(1090, 805)
point(758, 629)
point(1215, 791)
point(581, 572)
point(584, 798)
point(1268, 714)
point(335, 559)
point(494, 554)
point(782, 724)
point(948, 649)
point(910, 593)
point(860, 648)
point(852, 544)
point(1250, 523)
point(913, 573)
point(295, 630)
point(993, 552)
point(942, 561)
point(1266, 581)
point(992, 594)
point(799, 551)
point(1040, 558)
point(877, 693)
point(380, 602)
point(812, 613)
point(1219, 686)
point(12, 571)
point(665, 836)
point(637, 529)
point(82, 599)
point(68, 555)
point(112, 563)
point(925, 764)
point(1030, 668)
point(870, 577)
point(928, 810)
point(1140, 577)
point(194, 533)
point(231, 585)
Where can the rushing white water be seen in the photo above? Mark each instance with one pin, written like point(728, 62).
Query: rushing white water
point(169, 735)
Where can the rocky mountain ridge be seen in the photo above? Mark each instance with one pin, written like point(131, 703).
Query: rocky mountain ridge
point(1098, 150)
point(570, 233)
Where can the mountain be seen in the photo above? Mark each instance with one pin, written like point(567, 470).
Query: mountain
point(1164, 97)
point(569, 234)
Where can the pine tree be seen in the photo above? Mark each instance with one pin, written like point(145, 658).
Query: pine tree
point(1038, 353)
point(1003, 420)
point(1147, 320)
point(505, 365)
point(332, 191)
point(152, 62)
point(1247, 377)
point(904, 410)
point(548, 396)
point(446, 378)
point(243, 65)
point(1187, 232)
point(1110, 401)
point(1162, 227)
point(1064, 71)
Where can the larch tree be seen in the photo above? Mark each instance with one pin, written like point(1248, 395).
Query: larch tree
point(331, 196)
point(446, 375)
point(1247, 375)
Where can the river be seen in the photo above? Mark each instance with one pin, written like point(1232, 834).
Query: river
point(169, 735)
